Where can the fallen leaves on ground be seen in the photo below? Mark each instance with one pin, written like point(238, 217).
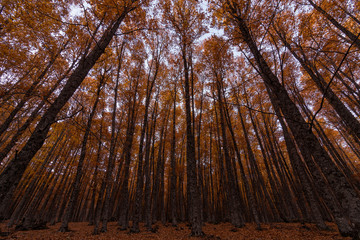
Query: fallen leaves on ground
point(223, 231)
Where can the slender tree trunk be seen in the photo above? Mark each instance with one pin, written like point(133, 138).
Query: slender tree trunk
point(112, 155)
point(351, 122)
point(234, 203)
point(343, 29)
point(194, 197)
point(4, 126)
point(173, 177)
point(149, 198)
point(79, 172)
point(306, 140)
point(124, 194)
point(5, 151)
point(140, 177)
point(12, 174)
point(157, 179)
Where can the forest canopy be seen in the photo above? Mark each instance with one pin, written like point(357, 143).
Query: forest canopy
point(180, 111)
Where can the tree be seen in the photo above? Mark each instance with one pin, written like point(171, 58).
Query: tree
point(305, 139)
point(133, 112)
point(11, 176)
point(79, 170)
point(186, 21)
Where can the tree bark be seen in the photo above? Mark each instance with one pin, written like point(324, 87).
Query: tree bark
point(306, 139)
point(194, 197)
point(343, 29)
point(173, 178)
point(79, 172)
point(12, 174)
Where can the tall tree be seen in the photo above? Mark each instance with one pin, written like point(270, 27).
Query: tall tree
point(305, 139)
point(187, 22)
point(11, 176)
point(79, 170)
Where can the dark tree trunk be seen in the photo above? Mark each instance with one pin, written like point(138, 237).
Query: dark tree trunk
point(112, 154)
point(159, 166)
point(234, 203)
point(343, 29)
point(193, 192)
point(79, 172)
point(5, 151)
point(299, 167)
point(4, 126)
point(124, 194)
point(23, 205)
point(12, 174)
point(306, 140)
point(140, 177)
point(149, 198)
point(173, 178)
point(351, 122)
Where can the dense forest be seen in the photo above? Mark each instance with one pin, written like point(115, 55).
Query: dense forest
point(180, 111)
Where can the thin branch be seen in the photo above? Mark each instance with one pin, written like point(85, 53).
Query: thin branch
point(252, 109)
point(59, 20)
point(70, 116)
point(2, 8)
point(332, 78)
point(139, 29)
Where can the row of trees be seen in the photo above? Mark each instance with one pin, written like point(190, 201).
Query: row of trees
point(131, 111)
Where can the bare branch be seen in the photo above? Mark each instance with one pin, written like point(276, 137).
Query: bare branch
point(328, 85)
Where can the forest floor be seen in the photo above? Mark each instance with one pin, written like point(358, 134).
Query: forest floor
point(276, 231)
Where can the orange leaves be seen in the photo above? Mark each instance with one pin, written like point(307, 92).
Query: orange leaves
point(186, 19)
point(217, 51)
point(165, 41)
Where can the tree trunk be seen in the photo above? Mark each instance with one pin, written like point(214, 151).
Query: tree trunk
point(173, 177)
point(5, 151)
point(351, 122)
point(194, 198)
point(343, 29)
point(4, 126)
point(140, 177)
point(306, 140)
point(124, 195)
point(79, 173)
point(12, 174)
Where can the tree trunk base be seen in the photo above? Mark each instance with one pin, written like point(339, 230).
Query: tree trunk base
point(197, 233)
point(323, 227)
point(153, 229)
point(103, 229)
point(258, 227)
point(38, 225)
point(96, 231)
point(134, 230)
point(64, 229)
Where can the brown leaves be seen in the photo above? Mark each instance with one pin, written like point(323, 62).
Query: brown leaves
point(279, 231)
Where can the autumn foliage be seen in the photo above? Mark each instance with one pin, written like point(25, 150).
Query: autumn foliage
point(140, 113)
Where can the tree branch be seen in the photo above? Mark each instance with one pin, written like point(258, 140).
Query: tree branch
point(328, 85)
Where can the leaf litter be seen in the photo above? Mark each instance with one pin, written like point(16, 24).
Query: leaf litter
point(222, 231)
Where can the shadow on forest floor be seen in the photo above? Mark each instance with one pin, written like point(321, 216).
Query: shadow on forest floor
point(278, 231)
